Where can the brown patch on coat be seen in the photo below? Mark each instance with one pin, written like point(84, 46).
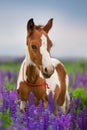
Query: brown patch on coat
point(32, 74)
point(57, 92)
point(39, 91)
point(62, 77)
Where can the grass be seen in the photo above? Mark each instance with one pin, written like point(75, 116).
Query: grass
point(71, 66)
point(12, 66)
point(75, 66)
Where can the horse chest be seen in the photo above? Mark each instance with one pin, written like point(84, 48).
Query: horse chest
point(52, 82)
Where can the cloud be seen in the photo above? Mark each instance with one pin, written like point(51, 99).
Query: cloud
point(70, 38)
point(68, 34)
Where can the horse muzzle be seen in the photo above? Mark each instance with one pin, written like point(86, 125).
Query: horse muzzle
point(48, 71)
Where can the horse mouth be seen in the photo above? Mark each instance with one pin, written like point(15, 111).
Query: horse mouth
point(47, 72)
point(46, 75)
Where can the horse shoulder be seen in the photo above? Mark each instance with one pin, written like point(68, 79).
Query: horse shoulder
point(60, 70)
point(53, 81)
point(63, 78)
point(58, 82)
point(22, 73)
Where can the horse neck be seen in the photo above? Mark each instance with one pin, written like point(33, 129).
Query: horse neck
point(32, 73)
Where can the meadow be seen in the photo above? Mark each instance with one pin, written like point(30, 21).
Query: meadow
point(38, 118)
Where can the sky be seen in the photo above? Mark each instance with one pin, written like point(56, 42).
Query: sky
point(68, 34)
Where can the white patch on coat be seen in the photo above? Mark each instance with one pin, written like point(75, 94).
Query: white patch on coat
point(55, 62)
point(44, 41)
point(46, 60)
point(67, 81)
point(23, 67)
point(67, 93)
point(22, 105)
point(20, 77)
point(40, 74)
point(52, 82)
point(63, 107)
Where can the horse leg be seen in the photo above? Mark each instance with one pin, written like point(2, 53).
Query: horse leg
point(23, 92)
point(67, 100)
point(56, 96)
point(45, 100)
point(22, 105)
point(66, 103)
point(63, 107)
point(67, 97)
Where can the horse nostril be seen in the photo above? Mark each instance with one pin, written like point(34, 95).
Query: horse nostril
point(46, 70)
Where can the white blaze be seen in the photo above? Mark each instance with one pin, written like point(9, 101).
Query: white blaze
point(46, 60)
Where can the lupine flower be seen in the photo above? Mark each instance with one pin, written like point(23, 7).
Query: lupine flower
point(38, 117)
point(82, 119)
point(51, 102)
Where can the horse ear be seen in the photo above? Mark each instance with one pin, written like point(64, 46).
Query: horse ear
point(30, 26)
point(48, 26)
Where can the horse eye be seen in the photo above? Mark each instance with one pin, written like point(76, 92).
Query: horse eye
point(34, 47)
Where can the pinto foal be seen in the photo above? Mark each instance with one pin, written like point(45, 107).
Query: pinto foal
point(39, 70)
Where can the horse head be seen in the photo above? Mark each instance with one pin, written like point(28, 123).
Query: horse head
point(38, 47)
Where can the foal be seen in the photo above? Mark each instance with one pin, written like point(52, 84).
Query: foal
point(39, 69)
